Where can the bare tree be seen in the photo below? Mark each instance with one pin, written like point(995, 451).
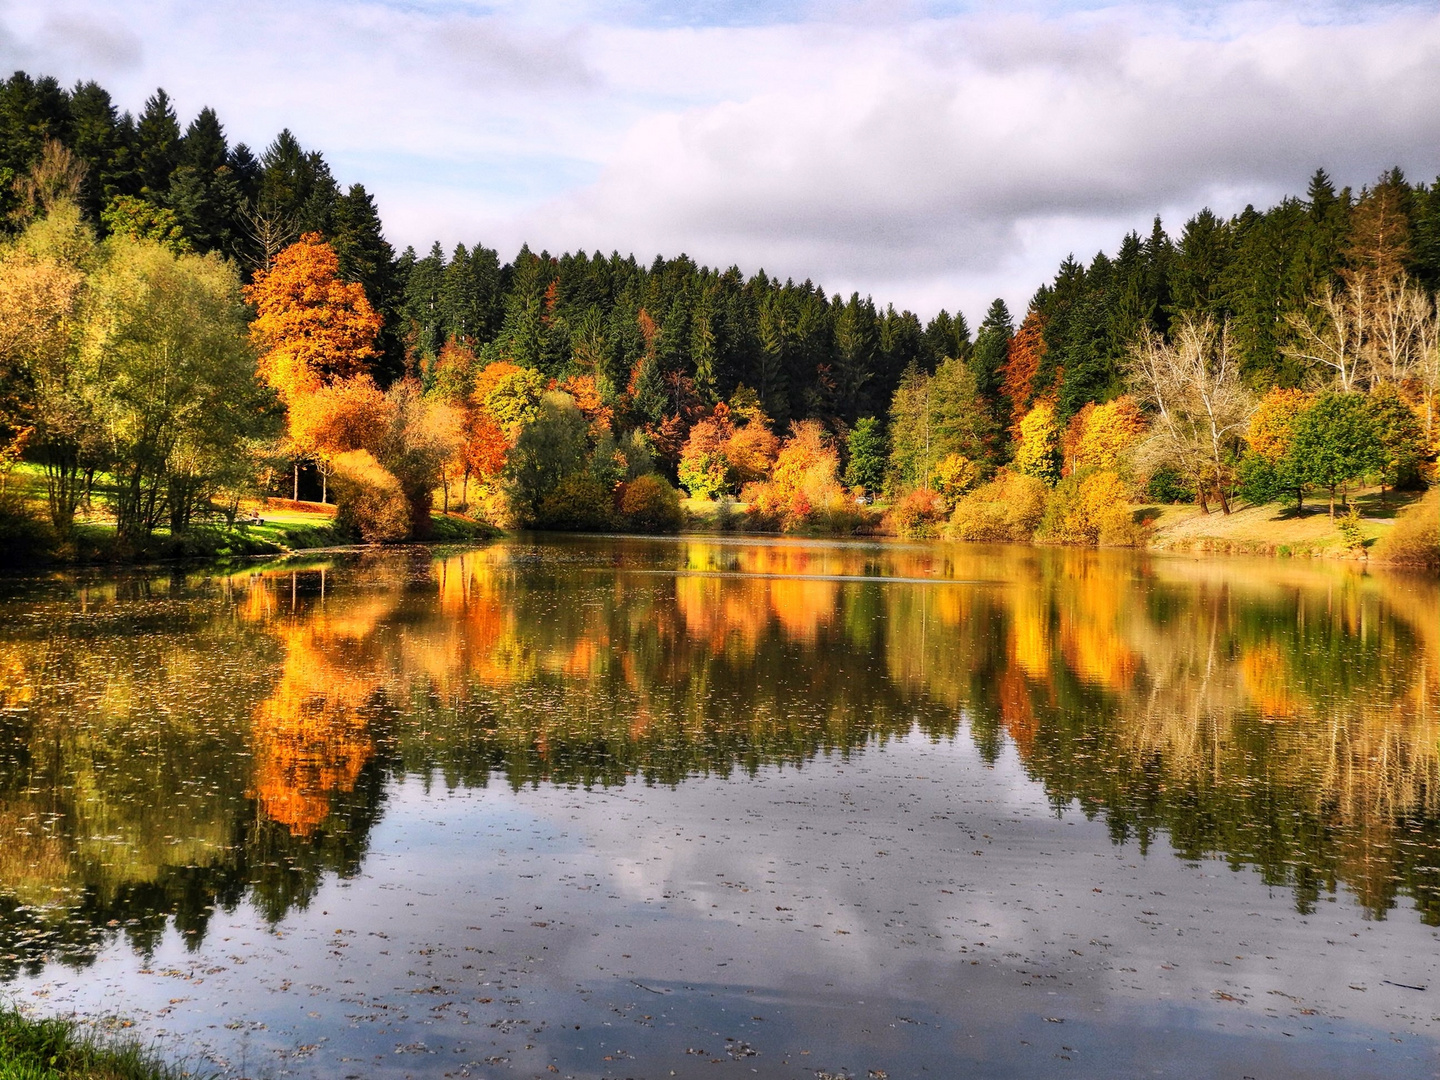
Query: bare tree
point(1335, 339)
point(1192, 385)
point(269, 232)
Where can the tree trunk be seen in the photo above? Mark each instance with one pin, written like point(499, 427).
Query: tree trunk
point(295, 488)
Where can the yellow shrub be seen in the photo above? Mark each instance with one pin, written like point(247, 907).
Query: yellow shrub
point(1415, 538)
point(1007, 508)
point(369, 498)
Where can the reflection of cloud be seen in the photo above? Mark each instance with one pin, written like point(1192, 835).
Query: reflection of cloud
point(923, 156)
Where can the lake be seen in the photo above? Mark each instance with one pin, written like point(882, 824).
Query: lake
point(624, 807)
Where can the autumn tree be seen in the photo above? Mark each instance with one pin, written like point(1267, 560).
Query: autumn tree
point(1037, 445)
point(1265, 472)
point(424, 433)
point(347, 415)
point(1109, 432)
point(1192, 387)
point(47, 389)
point(704, 465)
point(178, 391)
point(311, 327)
point(955, 476)
point(805, 481)
point(1023, 357)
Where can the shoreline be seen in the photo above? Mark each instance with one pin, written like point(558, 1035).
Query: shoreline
point(1173, 530)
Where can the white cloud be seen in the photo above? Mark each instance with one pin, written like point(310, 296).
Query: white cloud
point(925, 159)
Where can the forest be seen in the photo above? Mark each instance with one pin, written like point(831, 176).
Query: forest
point(187, 326)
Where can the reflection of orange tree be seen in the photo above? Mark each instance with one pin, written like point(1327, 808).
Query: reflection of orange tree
point(598, 676)
point(312, 737)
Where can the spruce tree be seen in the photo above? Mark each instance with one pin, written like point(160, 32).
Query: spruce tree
point(987, 358)
point(157, 142)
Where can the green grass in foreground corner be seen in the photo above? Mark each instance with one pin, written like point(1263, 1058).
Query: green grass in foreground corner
point(60, 1049)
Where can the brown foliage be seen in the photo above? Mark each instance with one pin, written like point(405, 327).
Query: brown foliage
point(370, 498)
point(651, 505)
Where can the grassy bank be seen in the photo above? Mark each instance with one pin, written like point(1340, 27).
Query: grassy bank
point(1273, 529)
point(264, 527)
point(67, 1049)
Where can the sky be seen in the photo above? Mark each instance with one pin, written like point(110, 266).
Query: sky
point(929, 154)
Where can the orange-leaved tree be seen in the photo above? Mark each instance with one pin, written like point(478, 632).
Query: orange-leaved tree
point(1272, 424)
point(704, 465)
point(1022, 364)
point(805, 482)
point(344, 416)
point(311, 327)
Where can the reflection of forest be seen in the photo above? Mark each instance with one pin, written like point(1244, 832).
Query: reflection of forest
point(171, 745)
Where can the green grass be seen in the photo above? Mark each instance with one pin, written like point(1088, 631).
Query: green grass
point(57, 1048)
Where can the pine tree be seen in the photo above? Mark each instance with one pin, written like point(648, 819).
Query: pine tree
point(157, 140)
point(987, 359)
point(367, 257)
point(31, 111)
point(1200, 260)
point(96, 141)
point(421, 307)
point(945, 336)
point(855, 348)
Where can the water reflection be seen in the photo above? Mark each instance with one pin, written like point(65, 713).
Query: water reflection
point(173, 745)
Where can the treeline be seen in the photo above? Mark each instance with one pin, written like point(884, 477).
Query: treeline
point(539, 390)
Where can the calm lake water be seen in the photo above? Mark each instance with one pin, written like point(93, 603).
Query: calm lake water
point(649, 808)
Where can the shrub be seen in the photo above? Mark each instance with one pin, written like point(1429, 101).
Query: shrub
point(955, 474)
point(918, 514)
point(1351, 531)
point(804, 490)
point(1414, 540)
point(579, 503)
point(650, 505)
point(1009, 507)
point(1090, 508)
point(369, 499)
